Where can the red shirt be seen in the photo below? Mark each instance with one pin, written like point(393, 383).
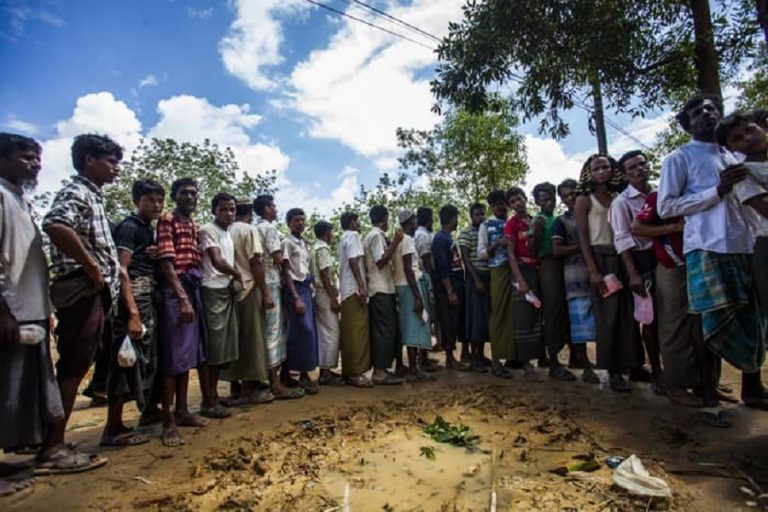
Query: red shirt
point(516, 229)
point(179, 238)
point(667, 249)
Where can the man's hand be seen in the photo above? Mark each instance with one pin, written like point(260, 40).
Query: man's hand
point(94, 274)
point(362, 295)
point(418, 307)
point(731, 176)
point(300, 310)
point(268, 302)
point(335, 306)
point(539, 224)
point(597, 282)
point(9, 327)
point(135, 327)
point(186, 312)
point(479, 287)
point(151, 252)
point(636, 284)
point(398, 236)
point(523, 287)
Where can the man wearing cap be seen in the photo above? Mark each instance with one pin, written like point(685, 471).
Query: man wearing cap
point(251, 368)
point(412, 295)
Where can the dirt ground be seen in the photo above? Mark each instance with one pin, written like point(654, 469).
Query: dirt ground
point(361, 450)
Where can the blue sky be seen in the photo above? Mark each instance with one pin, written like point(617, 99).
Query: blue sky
point(285, 84)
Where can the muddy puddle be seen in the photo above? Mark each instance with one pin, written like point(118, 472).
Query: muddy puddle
point(362, 457)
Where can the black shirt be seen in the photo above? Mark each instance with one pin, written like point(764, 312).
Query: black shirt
point(134, 235)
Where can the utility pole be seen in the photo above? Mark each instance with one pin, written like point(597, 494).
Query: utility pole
point(599, 117)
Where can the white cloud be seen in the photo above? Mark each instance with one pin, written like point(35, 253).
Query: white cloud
point(643, 133)
point(200, 14)
point(18, 15)
point(367, 83)
point(14, 124)
point(148, 81)
point(254, 39)
point(93, 113)
point(317, 198)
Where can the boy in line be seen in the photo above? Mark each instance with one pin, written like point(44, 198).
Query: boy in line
point(524, 266)
point(354, 322)
point(478, 287)
point(85, 270)
point(382, 302)
point(136, 318)
point(325, 273)
point(221, 282)
point(554, 306)
point(581, 315)
point(181, 332)
point(412, 289)
point(422, 238)
point(250, 368)
point(449, 284)
point(300, 310)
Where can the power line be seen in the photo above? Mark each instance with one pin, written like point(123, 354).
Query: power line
point(372, 25)
point(396, 20)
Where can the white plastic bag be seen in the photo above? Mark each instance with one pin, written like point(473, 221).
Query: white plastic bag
point(126, 356)
point(632, 476)
point(644, 306)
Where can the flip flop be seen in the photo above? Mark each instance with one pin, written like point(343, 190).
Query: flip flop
point(332, 380)
point(716, 417)
point(561, 373)
point(309, 387)
point(292, 394)
point(590, 377)
point(619, 384)
point(217, 412)
point(502, 373)
point(388, 380)
point(8, 487)
point(129, 438)
point(359, 382)
point(71, 462)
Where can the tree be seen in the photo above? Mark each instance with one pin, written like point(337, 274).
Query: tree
point(165, 160)
point(566, 49)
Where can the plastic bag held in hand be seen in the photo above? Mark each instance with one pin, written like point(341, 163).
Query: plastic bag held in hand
point(632, 476)
point(126, 356)
point(644, 306)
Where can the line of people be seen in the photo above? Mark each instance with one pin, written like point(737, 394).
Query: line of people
point(667, 274)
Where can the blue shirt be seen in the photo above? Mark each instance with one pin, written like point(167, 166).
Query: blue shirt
point(688, 188)
point(445, 256)
point(490, 231)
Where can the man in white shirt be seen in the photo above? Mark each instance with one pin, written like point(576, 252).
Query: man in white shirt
point(301, 336)
point(325, 275)
point(354, 322)
point(382, 306)
point(218, 294)
point(696, 182)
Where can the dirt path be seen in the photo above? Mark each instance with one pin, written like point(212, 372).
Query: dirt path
point(306, 455)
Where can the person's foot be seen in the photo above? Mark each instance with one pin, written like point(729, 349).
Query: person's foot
point(401, 370)
point(150, 417)
point(418, 376)
point(8, 487)
point(589, 376)
point(453, 364)
point(501, 372)
point(171, 437)
point(187, 419)
point(478, 366)
point(618, 383)
point(529, 373)
point(560, 372)
point(125, 438)
point(716, 417)
point(284, 393)
point(386, 379)
point(260, 396)
point(683, 397)
point(640, 375)
point(430, 366)
point(465, 357)
point(659, 385)
point(64, 460)
point(289, 381)
point(216, 412)
point(329, 378)
point(359, 381)
point(309, 386)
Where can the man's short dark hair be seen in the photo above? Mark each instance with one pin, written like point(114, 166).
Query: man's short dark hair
point(181, 183)
point(293, 212)
point(682, 116)
point(10, 142)
point(567, 183)
point(94, 145)
point(515, 191)
point(543, 187)
point(243, 209)
point(322, 228)
point(496, 196)
point(347, 218)
point(220, 197)
point(145, 187)
point(727, 124)
point(447, 213)
point(261, 203)
point(629, 155)
point(378, 213)
point(423, 215)
point(476, 206)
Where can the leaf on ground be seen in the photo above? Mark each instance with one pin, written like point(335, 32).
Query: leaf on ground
point(456, 434)
point(428, 452)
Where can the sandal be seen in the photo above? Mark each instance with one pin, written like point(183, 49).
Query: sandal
point(590, 377)
point(263, 396)
point(561, 373)
point(217, 412)
point(310, 387)
point(8, 487)
point(359, 382)
point(716, 417)
point(330, 379)
point(291, 394)
point(618, 383)
point(66, 461)
point(502, 373)
point(387, 380)
point(128, 438)
point(419, 376)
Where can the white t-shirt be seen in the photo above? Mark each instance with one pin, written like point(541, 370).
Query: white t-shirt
point(270, 239)
point(406, 247)
point(350, 248)
point(211, 235)
point(754, 185)
point(296, 253)
point(380, 280)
